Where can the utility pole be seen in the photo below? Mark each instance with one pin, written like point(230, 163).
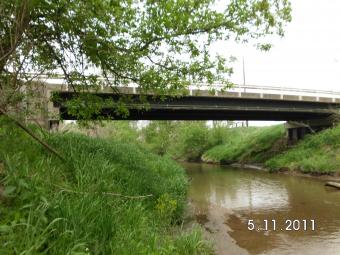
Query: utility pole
point(244, 74)
point(244, 81)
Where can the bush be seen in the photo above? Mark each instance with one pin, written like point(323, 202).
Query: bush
point(183, 140)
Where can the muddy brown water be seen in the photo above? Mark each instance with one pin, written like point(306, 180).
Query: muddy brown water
point(228, 202)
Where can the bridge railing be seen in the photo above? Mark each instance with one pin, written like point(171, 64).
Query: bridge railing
point(241, 90)
point(271, 89)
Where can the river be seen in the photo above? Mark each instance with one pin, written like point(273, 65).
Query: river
point(255, 212)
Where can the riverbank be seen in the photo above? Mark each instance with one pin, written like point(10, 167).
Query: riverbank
point(317, 154)
point(320, 176)
point(109, 197)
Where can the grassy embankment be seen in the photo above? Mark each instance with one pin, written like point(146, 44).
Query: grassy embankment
point(248, 145)
point(318, 153)
point(51, 207)
point(193, 141)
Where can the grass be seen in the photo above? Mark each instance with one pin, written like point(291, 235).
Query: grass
point(194, 141)
point(51, 207)
point(247, 145)
point(318, 153)
point(86, 205)
point(121, 130)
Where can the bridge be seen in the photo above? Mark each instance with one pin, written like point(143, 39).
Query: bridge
point(304, 110)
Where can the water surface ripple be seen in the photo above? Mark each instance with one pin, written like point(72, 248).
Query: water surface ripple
point(223, 199)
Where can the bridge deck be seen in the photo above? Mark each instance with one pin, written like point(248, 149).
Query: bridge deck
point(305, 95)
point(212, 107)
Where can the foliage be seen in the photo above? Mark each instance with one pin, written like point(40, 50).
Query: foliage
point(220, 144)
point(195, 141)
point(246, 145)
point(184, 140)
point(317, 153)
point(124, 131)
point(159, 135)
point(166, 206)
point(159, 45)
point(49, 207)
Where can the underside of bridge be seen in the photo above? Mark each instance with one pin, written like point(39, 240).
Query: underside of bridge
point(210, 108)
point(202, 114)
point(302, 117)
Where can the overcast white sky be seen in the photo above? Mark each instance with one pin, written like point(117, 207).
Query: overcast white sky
point(307, 57)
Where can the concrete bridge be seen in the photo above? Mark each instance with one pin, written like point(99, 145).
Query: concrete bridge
point(304, 110)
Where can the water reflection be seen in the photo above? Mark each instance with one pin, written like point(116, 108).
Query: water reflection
point(249, 194)
point(242, 193)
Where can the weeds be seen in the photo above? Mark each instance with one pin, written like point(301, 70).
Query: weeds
point(194, 141)
point(318, 153)
point(247, 145)
point(39, 216)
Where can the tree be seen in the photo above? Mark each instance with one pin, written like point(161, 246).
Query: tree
point(160, 45)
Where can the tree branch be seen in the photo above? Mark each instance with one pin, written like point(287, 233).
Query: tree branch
point(30, 132)
point(103, 193)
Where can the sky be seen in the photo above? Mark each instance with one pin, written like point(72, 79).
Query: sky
point(308, 56)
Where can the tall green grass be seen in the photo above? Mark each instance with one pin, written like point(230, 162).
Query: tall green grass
point(120, 130)
point(317, 153)
point(85, 206)
point(194, 141)
point(251, 144)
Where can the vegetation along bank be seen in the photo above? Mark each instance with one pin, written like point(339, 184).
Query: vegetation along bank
point(108, 197)
point(195, 141)
point(113, 195)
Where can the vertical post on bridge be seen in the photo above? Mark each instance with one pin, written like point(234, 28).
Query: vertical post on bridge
point(244, 82)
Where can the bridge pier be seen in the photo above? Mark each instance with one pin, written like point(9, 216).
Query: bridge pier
point(298, 130)
point(297, 133)
point(53, 125)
